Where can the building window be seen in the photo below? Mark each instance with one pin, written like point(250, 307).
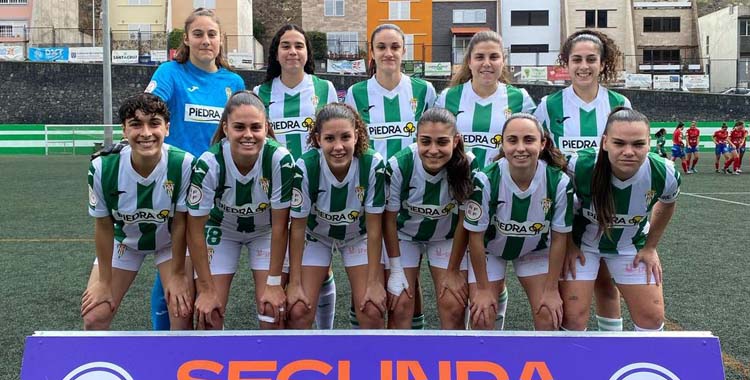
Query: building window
point(333, 7)
point(744, 27)
point(12, 29)
point(529, 48)
point(343, 43)
point(469, 16)
point(596, 18)
point(661, 24)
point(399, 10)
point(144, 29)
point(209, 4)
point(409, 46)
point(460, 43)
point(21, 2)
point(661, 57)
point(139, 2)
point(526, 18)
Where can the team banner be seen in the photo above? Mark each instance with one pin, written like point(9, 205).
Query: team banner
point(11, 53)
point(48, 54)
point(371, 355)
point(346, 67)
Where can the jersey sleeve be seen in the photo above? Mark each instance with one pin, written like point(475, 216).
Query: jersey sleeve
point(440, 101)
point(162, 82)
point(283, 174)
point(97, 205)
point(431, 96)
point(672, 184)
point(394, 183)
point(528, 104)
point(333, 96)
point(562, 220)
point(301, 202)
point(256, 90)
point(349, 99)
point(187, 169)
point(476, 216)
point(627, 103)
point(541, 114)
point(375, 202)
point(203, 184)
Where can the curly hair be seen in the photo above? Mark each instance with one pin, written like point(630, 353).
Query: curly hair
point(274, 67)
point(463, 74)
point(183, 53)
point(340, 111)
point(609, 53)
point(149, 104)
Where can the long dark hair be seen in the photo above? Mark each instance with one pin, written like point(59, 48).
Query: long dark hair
point(609, 53)
point(660, 132)
point(602, 197)
point(550, 154)
point(372, 69)
point(457, 169)
point(333, 111)
point(241, 98)
point(274, 67)
point(183, 53)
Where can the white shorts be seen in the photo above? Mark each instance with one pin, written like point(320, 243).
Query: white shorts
point(438, 253)
point(126, 258)
point(224, 255)
point(530, 264)
point(319, 253)
point(620, 267)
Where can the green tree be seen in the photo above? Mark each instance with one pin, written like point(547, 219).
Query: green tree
point(319, 43)
point(176, 36)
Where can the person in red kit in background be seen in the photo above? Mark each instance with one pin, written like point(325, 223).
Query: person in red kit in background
point(723, 148)
point(738, 138)
point(678, 147)
point(693, 136)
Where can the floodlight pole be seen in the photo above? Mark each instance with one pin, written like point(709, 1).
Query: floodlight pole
point(107, 73)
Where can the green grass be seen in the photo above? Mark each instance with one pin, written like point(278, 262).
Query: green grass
point(44, 198)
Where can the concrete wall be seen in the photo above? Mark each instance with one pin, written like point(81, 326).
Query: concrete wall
point(523, 35)
point(720, 28)
point(56, 93)
point(442, 21)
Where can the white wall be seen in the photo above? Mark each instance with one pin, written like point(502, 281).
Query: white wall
point(531, 34)
point(721, 29)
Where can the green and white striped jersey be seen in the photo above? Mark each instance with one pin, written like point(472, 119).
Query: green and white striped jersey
point(518, 222)
point(292, 110)
point(655, 181)
point(237, 202)
point(335, 210)
point(391, 116)
point(142, 208)
point(426, 208)
point(576, 125)
point(480, 121)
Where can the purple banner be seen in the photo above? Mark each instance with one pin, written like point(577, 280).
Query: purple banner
point(368, 355)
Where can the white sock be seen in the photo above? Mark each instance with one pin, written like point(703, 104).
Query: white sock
point(326, 304)
point(641, 329)
point(502, 308)
point(608, 324)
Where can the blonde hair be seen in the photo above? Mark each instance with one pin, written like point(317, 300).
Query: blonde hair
point(464, 73)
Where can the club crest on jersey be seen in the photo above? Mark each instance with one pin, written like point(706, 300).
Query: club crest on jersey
point(482, 140)
point(314, 100)
point(521, 229)
point(141, 215)
point(296, 197)
point(390, 130)
point(473, 211)
point(413, 102)
point(151, 86)
point(248, 209)
point(120, 250)
point(195, 195)
point(228, 91)
point(546, 204)
point(508, 112)
point(339, 218)
point(92, 198)
point(264, 184)
point(169, 187)
point(650, 196)
point(360, 193)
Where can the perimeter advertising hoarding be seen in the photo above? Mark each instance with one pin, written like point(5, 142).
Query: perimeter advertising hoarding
point(371, 355)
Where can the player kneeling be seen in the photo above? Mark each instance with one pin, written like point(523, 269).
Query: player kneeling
point(137, 195)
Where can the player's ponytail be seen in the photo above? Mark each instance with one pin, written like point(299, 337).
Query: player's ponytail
point(241, 98)
point(457, 169)
point(602, 196)
point(550, 154)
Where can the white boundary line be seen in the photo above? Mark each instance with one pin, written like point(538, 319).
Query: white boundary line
point(716, 199)
point(737, 193)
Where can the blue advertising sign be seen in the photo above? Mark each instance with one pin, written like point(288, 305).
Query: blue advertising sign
point(48, 54)
point(371, 355)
